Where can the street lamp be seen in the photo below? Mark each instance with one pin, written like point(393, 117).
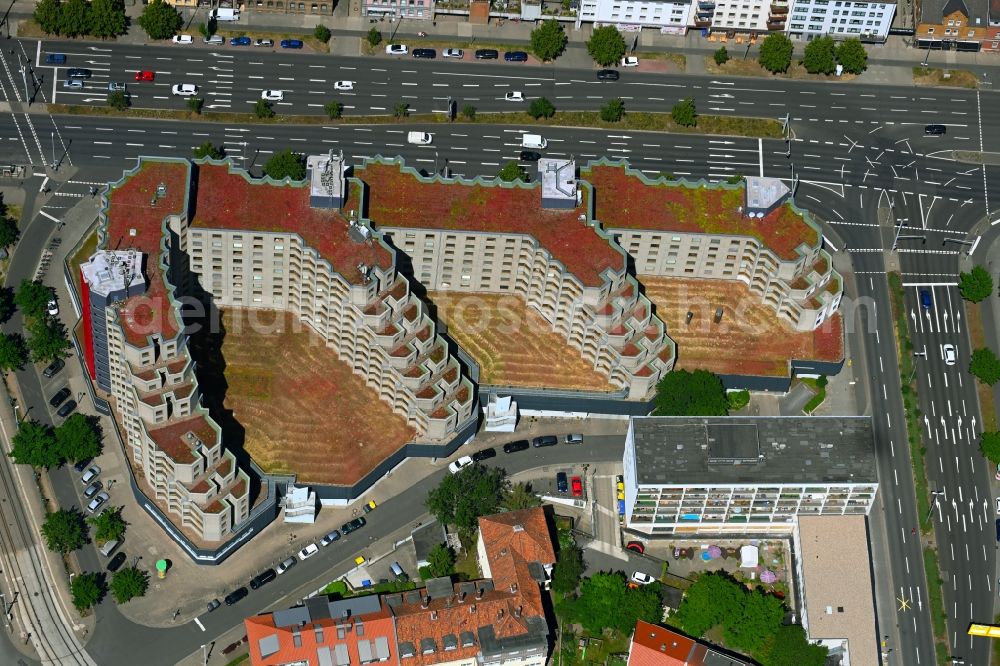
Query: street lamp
point(204, 655)
point(934, 495)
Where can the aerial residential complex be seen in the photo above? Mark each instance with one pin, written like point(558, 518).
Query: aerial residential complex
point(744, 475)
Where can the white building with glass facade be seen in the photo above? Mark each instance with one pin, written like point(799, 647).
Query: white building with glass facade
point(841, 19)
point(745, 475)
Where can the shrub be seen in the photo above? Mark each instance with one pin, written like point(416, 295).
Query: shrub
point(322, 33)
point(721, 56)
point(541, 108)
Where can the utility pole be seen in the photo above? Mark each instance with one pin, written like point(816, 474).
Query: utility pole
point(52, 135)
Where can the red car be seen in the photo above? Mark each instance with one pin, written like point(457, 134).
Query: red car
point(145, 76)
point(577, 485)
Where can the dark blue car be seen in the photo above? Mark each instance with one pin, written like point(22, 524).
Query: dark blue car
point(515, 56)
point(291, 43)
point(925, 299)
point(240, 41)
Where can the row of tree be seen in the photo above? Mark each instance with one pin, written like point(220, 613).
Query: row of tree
point(821, 55)
point(40, 445)
point(74, 18)
point(47, 338)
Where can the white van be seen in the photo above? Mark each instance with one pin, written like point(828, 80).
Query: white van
point(223, 14)
point(420, 138)
point(109, 547)
point(533, 141)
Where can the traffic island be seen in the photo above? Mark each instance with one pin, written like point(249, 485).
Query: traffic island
point(945, 78)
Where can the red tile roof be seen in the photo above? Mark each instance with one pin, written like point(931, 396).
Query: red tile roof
point(229, 201)
point(397, 197)
point(658, 646)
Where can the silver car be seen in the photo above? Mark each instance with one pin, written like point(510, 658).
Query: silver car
point(453, 53)
point(96, 503)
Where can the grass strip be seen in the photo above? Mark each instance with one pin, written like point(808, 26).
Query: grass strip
point(956, 78)
point(309, 41)
point(935, 605)
point(816, 401)
point(977, 336)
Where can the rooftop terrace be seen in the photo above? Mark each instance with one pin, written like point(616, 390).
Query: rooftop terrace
point(624, 200)
point(399, 197)
point(172, 439)
point(228, 200)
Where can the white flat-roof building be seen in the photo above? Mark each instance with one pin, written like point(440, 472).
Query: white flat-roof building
point(670, 17)
point(745, 475)
point(841, 19)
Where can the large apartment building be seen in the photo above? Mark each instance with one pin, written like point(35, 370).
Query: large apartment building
point(869, 21)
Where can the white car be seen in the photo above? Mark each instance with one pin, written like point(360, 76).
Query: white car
point(514, 96)
point(308, 552)
point(343, 85)
point(98, 500)
point(460, 464)
point(272, 95)
point(183, 39)
point(396, 49)
point(948, 351)
point(453, 53)
point(630, 61)
point(53, 308)
point(642, 578)
point(267, 43)
point(285, 565)
point(184, 89)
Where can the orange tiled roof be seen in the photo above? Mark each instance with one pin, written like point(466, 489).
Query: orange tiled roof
point(525, 531)
point(658, 646)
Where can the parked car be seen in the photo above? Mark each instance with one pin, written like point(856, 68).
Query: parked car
point(514, 96)
point(55, 58)
point(428, 54)
point(92, 489)
point(53, 308)
point(353, 525)
point(487, 54)
point(78, 73)
point(948, 351)
point(576, 484)
point(396, 49)
point(236, 595)
point(291, 43)
point(184, 89)
point(183, 39)
point(308, 552)
point(369, 506)
point(98, 500)
point(515, 56)
point(67, 408)
point(145, 76)
point(545, 440)
point(52, 368)
point(485, 454)
point(329, 538)
point(530, 156)
point(998, 506)
point(642, 578)
point(515, 446)
point(272, 95)
point(453, 53)
point(214, 40)
point(574, 439)
point(458, 465)
point(343, 85)
point(562, 483)
point(608, 75)
point(630, 61)
point(213, 604)
point(639, 547)
point(90, 475)
point(81, 465)
point(240, 41)
point(263, 578)
point(286, 565)
point(60, 396)
point(73, 83)
point(117, 561)
point(267, 43)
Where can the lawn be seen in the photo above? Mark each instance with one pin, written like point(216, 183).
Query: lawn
point(513, 344)
point(291, 403)
point(750, 340)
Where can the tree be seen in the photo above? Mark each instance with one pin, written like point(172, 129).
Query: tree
point(683, 393)
point(8, 231)
point(195, 104)
point(775, 53)
point(47, 340)
point(48, 16)
point(162, 21)
point(852, 56)
point(79, 438)
point(613, 111)
point(33, 298)
point(109, 525)
point(548, 40)
point(541, 107)
point(322, 33)
point(13, 351)
point(469, 112)
point(6, 303)
point(87, 590)
point(737, 400)
point(401, 110)
point(107, 18)
point(35, 444)
point(820, 56)
point(568, 570)
point(788, 646)
point(64, 531)
point(118, 100)
point(760, 617)
point(512, 171)
point(606, 45)
point(989, 446)
point(210, 150)
point(333, 109)
point(520, 496)
point(441, 561)
point(461, 499)
point(74, 18)
point(708, 602)
point(286, 164)
point(985, 366)
point(975, 285)
point(263, 109)
point(606, 601)
point(684, 113)
point(721, 56)
point(128, 584)
point(374, 37)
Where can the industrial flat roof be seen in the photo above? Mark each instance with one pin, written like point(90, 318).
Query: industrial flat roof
point(731, 450)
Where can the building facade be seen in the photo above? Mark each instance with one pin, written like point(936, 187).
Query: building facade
point(840, 19)
point(397, 9)
point(745, 475)
point(670, 17)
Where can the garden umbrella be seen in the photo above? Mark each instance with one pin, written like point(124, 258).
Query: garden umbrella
point(705, 556)
point(767, 576)
point(714, 552)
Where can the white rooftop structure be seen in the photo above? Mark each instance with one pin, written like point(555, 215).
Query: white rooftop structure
point(763, 194)
point(501, 414)
point(559, 188)
point(749, 557)
point(113, 271)
point(327, 186)
point(300, 505)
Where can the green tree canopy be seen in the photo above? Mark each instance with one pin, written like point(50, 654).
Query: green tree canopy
point(128, 584)
point(74, 20)
point(721, 56)
point(13, 351)
point(33, 298)
point(737, 400)
point(708, 602)
point(541, 108)
point(469, 111)
point(333, 109)
point(263, 109)
point(512, 171)
point(606, 45)
point(820, 56)
point(698, 393)
point(322, 33)
point(160, 20)
point(989, 446)
point(568, 570)
point(48, 16)
point(195, 104)
point(985, 366)
point(401, 109)
point(776, 53)
point(520, 496)
point(613, 111)
point(64, 530)
point(788, 646)
point(374, 37)
point(87, 590)
point(286, 164)
point(852, 56)
point(107, 18)
point(684, 113)
point(210, 150)
point(461, 499)
point(119, 100)
point(8, 231)
point(35, 444)
point(976, 285)
point(441, 561)
point(759, 617)
point(108, 524)
point(6, 303)
point(548, 40)
point(79, 438)
point(47, 340)
point(606, 601)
